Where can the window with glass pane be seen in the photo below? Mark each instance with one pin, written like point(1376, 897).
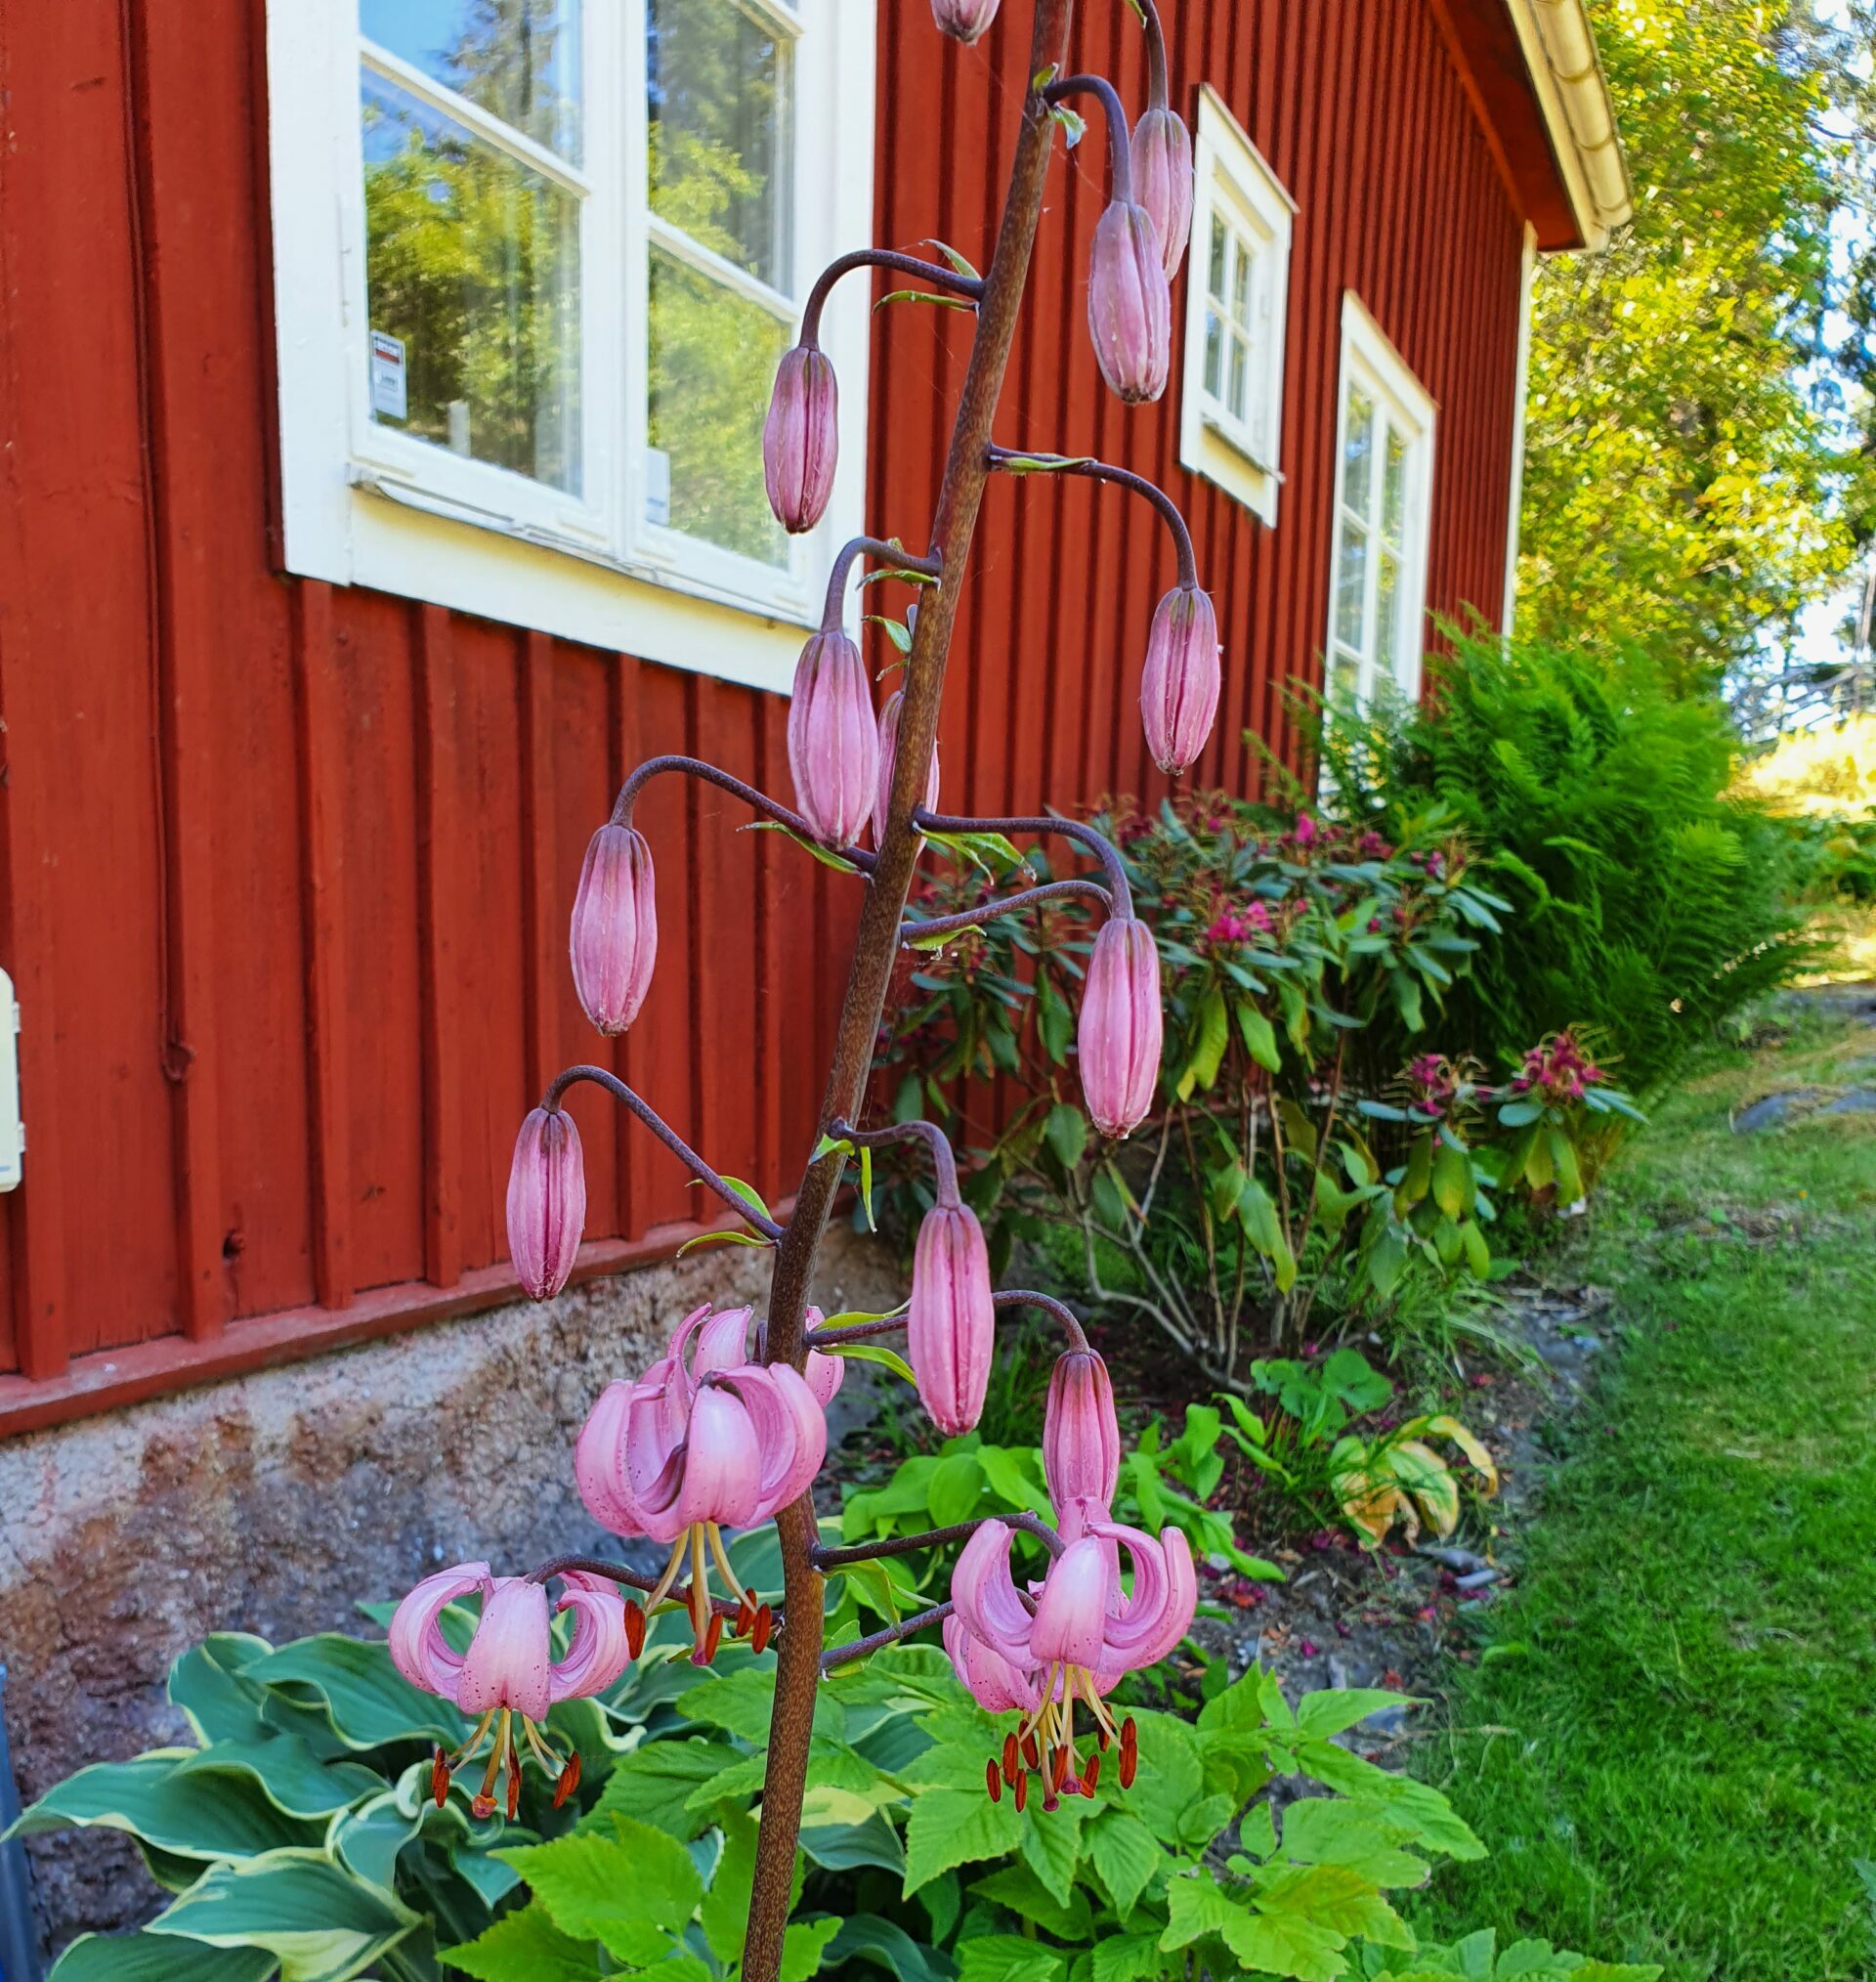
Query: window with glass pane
point(1371, 524)
point(1227, 321)
point(472, 235)
point(720, 105)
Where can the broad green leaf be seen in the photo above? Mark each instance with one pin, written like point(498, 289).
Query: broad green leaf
point(1333, 1709)
point(1125, 1856)
point(366, 1700)
point(1341, 1831)
point(525, 1947)
point(1259, 1037)
point(1131, 1958)
point(206, 1683)
point(1299, 1129)
point(1066, 1129)
point(725, 1911)
point(844, 1847)
point(1172, 1775)
point(219, 1816)
point(654, 1782)
point(1009, 1958)
point(1208, 1051)
point(1019, 1889)
point(874, 1351)
point(867, 1937)
point(1436, 1825)
point(291, 1777)
point(957, 1487)
point(1015, 1481)
point(953, 1827)
point(369, 1837)
point(1335, 1898)
point(151, 1958)
point(804, 1948)
point(624, 1890)
point(743, 1701)
point(1052, 1851)
point(1452, 1170)
point(322, 1925)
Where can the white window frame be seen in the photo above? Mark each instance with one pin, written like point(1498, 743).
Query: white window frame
point(1243, 457)
point(1370, 360)
point(363, 504)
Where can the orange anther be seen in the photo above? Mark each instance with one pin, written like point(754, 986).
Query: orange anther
point(713, 1637)
point(764, 1624)
point(994, 1782)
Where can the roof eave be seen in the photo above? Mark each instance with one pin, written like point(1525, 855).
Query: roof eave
point(1573, 93)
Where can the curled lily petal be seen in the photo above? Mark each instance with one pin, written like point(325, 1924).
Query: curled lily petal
point(985, 1596)
point(1071, 1620)
point(418, 1648)
point(722, 1467)
point(993, 1681)
point(599, 1469)
point(599, 1652)
point(1180, 1601)
point(789, 1431)
point(510, 1658)
point(722, 1342)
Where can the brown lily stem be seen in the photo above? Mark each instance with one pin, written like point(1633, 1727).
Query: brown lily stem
point(939, 276)
point(943, 1161)
point(988, 912)
point(633, 1579)
point(665, 1133)
point(844, 1655)
point(1103, 850)
point(1019, 461)
point(756, 801)
point(875, 949)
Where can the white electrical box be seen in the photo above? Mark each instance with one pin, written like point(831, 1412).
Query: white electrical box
point(12, 1130)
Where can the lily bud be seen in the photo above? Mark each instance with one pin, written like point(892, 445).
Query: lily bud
point(888, 756)
point(1129, 304)
point(965, 20)
point(546, 1201)
point(614, 942)
point(1081, 1432)
point(1162, 181)
point(1180, 688)
point(823, 1374)
point(952, 1327)
point(1117, 1039)
point(833, 746)
point(801, 439)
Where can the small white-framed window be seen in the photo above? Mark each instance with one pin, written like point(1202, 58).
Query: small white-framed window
point(1383, 510)
point(534, 263)
point(1237, 306)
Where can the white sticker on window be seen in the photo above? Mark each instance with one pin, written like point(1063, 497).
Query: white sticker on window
point(657, 487)
point(388, 396)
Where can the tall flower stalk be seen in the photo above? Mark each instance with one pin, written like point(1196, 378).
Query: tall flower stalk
point(727, 1429)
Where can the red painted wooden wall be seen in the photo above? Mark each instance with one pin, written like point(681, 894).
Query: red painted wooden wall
point(285, 869)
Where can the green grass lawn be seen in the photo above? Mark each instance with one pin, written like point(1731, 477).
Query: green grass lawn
point(1671, 1745)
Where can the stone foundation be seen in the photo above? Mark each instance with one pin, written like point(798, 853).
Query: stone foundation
point(276, 1502)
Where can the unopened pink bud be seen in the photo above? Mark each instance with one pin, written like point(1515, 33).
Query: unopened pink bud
point(1180, 688)
point(546, 1201)
point(801, 439)
point(888, 756)
point(1080, 1434)
point(952, 1327)
point(965, 20)
point(833, 745)
point(614, 942)
point(1117, 1040)
point(1129, 305)
point(1162, 181)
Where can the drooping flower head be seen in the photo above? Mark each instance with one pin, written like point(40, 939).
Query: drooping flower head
point(1240, 925)
point(1432, 1085)
point(1117, 1036)
point(705, 1439)
point(801, 439)
point(888, 756)
point(1129, 304)
point(1180, 682)
point(1081, 1432)
point(951, 1326)
point(614, 939)
point(1557, 1069)
point(1067, 1643)
point(833, 743)
point(508, 1677)
point(1162, 181)
point(965, 20)
point(546, 1201)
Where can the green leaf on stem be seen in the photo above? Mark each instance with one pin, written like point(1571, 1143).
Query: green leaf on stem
point(825, 856)
point(951, 254)
point(871, 1351)
point(924, 296)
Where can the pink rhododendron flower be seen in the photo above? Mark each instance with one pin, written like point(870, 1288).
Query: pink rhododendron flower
point(1067, 1641)
point(1305, 830)
point(508, 1678)
point(1239, 926)
point(705, 1439)
point(546, 1201)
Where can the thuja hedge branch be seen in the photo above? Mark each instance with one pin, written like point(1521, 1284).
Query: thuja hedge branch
point(1019, 461)
point(665, 1133)
point(756, 801)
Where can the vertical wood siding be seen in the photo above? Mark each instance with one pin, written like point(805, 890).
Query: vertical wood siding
point(284, 870)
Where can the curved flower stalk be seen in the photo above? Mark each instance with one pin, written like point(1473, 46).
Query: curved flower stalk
point(509, 1678)
point(1119, 1031)
point(546, 1201)
point(1066, 1642)
point(705, 1439)
point(613, 938)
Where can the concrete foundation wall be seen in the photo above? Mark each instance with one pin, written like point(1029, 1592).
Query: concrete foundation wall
point(274, 1503)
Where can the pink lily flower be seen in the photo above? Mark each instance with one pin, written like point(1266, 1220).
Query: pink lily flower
point(509, 1678)
point(705, 1439)
point(1070, 1639)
